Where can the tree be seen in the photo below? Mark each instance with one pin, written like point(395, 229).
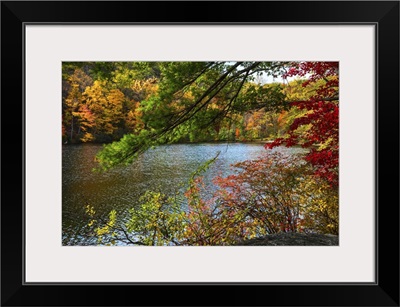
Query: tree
point(321, 118)
point(199, 98)
point(99, 112)
point(73, 87)
point(192, 97)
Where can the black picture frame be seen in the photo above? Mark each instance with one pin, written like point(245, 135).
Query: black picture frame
point(383, 14)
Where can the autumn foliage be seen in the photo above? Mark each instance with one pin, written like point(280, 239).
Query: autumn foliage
point(274, 193)
point(321, 119)
point(133, 106)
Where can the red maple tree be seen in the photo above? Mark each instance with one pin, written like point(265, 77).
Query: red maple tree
point(322, 138)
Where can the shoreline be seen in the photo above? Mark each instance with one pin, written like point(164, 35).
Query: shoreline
point(185, 143)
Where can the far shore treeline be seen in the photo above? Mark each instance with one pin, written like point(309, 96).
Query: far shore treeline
point(103, 101)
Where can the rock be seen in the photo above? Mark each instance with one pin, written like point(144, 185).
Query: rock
point(293, 239)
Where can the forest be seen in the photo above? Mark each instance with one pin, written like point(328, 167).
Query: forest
point(131, 107)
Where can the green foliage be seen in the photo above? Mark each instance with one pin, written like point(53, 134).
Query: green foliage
point(124, 151)
point(158, 220)
point(171, 101)
point(255, 97)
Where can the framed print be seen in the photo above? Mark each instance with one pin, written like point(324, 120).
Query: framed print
point(237, 147)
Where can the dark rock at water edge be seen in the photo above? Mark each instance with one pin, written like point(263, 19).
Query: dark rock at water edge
point(293, 239)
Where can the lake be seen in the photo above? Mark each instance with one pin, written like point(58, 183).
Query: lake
point(165, 168)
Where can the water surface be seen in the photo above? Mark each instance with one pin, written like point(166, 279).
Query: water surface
point(165, 168)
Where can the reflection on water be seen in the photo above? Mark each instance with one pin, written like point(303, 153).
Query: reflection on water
point(164, 169)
